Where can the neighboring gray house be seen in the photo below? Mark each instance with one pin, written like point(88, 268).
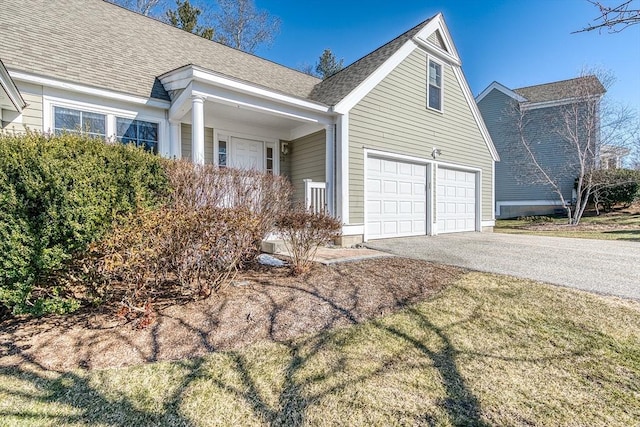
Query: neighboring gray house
point(517, 191)
point(394, 144)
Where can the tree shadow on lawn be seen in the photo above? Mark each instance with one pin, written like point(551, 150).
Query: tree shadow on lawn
point(626, 232)
point(288, 399)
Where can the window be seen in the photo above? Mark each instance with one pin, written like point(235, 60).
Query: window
point(222, 153)
point(434, 89)
point(77, 121)
point(270, 160)
point(138, 132)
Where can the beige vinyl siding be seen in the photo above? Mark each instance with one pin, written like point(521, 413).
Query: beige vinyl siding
point(436, 40)
point(31, 115)
point(185, 133)
point(394, 118)
point(285, 161)
point(307, 161)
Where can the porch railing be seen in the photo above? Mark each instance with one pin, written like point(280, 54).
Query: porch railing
point(315, 196)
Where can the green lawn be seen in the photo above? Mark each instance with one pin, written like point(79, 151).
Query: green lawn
point(604, 227)
point(489, 350)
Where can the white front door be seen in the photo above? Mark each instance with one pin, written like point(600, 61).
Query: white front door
point(247, 154)
point(396, 198)
point(455, 200)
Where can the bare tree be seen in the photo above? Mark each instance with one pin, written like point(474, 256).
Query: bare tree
point(561, 144)
point(614, 18)
point(240, 25)
point(144, 7)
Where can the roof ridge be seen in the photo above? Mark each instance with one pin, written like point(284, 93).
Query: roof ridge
point(557, 81)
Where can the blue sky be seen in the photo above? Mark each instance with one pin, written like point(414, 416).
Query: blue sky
point(516, 42)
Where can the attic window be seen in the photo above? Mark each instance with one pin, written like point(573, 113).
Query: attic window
point(434, 86)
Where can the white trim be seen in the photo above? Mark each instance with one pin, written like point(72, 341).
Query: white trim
point(493, 189)
point(111, 113)
point(466, 91)
point(175, 139)
point(526, 203)
point(414, 159)
point(431, 58)
point(433, 217)
point(353, 230)
point(178, 79)
point(181, 104)
point(228, 135)
point(356, 95)
point(241, 100)
point(330, 168)
point(501, 88)
point(491, 223)
point(75, 87)
point(437, 23)
point(342, 143)
point(197, 130)
point(12, 91)
point(567, 101)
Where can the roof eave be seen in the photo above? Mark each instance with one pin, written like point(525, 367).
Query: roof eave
point(10, 88)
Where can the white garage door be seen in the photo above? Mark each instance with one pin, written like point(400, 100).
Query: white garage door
point(395, 198)
point(455, 200)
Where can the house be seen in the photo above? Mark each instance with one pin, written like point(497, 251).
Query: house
point(394, 142)
point(533, 113)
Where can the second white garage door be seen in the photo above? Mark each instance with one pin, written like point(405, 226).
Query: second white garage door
point(396, 198)
point(455, 200)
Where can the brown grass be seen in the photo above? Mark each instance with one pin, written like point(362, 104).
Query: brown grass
point(485, 350)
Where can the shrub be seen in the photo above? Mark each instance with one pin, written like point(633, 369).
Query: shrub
point(196, 249)
point(57, 195)
point(303, 233)
point(211, 224)
point(266, 196)
point(613, 187)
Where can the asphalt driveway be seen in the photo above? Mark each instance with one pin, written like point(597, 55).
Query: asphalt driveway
point(606, 267)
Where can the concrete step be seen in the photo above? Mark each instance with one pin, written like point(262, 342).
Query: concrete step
point(273, 246)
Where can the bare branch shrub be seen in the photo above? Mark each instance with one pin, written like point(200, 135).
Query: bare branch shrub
point(212, 223)
point(303, 232)
point(266, 196)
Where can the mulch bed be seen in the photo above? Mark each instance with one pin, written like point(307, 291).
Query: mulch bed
point(265, 304)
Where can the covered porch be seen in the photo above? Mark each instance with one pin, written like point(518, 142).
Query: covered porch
point(229, 123)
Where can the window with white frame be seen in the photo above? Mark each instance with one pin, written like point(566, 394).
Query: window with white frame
point(78, 121)
point(105, 124)
point(139, 132)
point(434, 86)
point(222, 153)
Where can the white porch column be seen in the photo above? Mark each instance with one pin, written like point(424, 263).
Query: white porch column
point(330, 171)
point(197, 129)
point(175, 138)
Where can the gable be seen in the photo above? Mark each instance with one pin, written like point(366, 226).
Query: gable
point(397, 108)
point(436, 39)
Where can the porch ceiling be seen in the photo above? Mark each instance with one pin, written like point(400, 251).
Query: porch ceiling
point(243, 119)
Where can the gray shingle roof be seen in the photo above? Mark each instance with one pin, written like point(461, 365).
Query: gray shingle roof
point(336, 87)
point(102, 45)
point(564, 89)
point(99, 44)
